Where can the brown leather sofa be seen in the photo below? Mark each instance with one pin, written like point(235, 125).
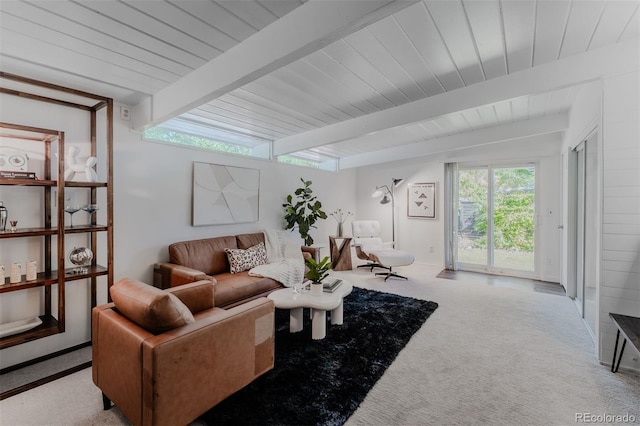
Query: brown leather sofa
point(195, 260)
point(164, 357)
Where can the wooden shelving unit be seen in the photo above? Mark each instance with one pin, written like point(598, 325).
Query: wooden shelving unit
point(54, 273)
point(49, 327)
point(49, 278)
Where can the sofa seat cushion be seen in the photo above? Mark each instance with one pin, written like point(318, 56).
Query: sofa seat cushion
point(231, 288)
point(149, 307)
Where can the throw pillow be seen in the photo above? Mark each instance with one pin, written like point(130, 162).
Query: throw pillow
point(243, 260)
point(149, 307)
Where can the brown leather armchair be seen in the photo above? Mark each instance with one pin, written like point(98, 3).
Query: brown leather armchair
point(168, 356)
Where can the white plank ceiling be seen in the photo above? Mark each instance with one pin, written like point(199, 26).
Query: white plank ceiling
point(132, 49)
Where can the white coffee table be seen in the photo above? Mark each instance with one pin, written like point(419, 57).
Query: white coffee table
point(319, 305)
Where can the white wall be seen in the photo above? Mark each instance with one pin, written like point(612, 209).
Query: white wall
point(611, 105)
point(152, 184)
point(620, 266)
point(419, 236)
point(412, 234)
point(152, 205)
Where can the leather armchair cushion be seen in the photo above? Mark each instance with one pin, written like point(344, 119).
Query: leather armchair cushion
point(149, 307)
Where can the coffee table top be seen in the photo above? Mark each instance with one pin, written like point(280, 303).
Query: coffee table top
point(286, 298)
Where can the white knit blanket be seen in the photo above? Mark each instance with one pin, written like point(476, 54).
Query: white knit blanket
point(285, 263)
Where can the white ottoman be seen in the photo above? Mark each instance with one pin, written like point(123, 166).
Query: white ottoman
point(390, 258)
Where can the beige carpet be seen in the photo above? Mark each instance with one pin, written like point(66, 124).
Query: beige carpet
point(488, 355)
point(42, 370)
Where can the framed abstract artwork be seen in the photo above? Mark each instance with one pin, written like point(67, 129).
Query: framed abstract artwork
point(224, 194)
point(421, 200)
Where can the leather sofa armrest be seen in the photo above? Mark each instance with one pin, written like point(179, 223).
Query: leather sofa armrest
point(167, 275)
point(313, 251)
point(198, 296)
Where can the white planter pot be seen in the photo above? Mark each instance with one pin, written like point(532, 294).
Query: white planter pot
point(316, 289)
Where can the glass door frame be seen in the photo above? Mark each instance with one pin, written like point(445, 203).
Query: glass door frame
point(488, 266)
point(580, 205)
point(586, 247)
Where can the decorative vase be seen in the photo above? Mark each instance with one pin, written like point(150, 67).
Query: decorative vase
point(81, 257)
point(339, 229)
point(16, 273)
point(316, 289)
point(32, 270)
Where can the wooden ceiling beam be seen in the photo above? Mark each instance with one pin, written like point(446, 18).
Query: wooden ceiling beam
point(304, 30)
point(555, 75)
point(508, 132)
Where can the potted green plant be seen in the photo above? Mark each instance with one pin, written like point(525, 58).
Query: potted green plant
point(316, 272)
point(305, 212)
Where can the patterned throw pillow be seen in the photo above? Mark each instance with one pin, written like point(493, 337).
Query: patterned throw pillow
point(243, 260)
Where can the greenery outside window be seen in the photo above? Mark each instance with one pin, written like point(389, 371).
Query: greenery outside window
point(496, 218)
point(310, 159)
point(186, 133)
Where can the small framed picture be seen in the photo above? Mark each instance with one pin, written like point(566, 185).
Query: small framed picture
point(421, 200)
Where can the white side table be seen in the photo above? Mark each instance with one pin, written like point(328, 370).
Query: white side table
point(319, 305)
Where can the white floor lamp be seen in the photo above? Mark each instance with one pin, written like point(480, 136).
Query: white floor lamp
point(389, 195)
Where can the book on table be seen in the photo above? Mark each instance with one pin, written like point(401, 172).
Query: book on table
point(328, 286)
point(331, 284)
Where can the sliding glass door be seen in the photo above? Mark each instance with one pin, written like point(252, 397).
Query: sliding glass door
point(496, 219)
point(473, 208)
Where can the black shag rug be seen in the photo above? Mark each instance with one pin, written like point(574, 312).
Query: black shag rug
point(322, 382)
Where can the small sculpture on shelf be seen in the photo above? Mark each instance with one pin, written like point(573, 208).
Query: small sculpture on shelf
point(81, 257)
point(74, 166)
